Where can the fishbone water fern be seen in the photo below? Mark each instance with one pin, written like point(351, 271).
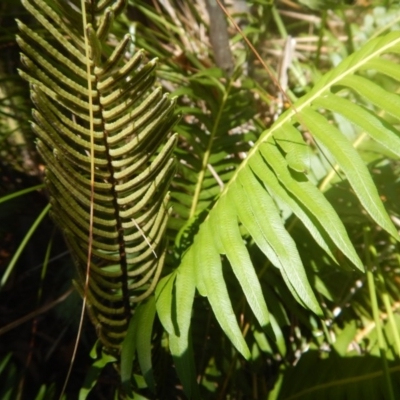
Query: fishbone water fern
point(129, 121)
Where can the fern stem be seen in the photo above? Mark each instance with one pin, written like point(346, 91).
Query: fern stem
point(375, 312)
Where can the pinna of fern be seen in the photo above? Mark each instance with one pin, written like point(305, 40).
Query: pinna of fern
point(125, 121)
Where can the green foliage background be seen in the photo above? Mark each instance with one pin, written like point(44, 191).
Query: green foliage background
point(281, 273)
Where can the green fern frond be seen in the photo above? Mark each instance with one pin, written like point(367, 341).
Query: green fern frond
point(270, 176)
point(213, 141)
point(133, 153)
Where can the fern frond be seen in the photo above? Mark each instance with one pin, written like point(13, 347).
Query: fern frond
point(271, 176)
point(213, 140)
point(133, 154)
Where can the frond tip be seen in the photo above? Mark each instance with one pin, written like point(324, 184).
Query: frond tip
point(133, 155)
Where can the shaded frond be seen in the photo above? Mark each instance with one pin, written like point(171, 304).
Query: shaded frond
point(133, 154)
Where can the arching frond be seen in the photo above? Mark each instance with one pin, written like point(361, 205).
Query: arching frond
point(274, 175)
